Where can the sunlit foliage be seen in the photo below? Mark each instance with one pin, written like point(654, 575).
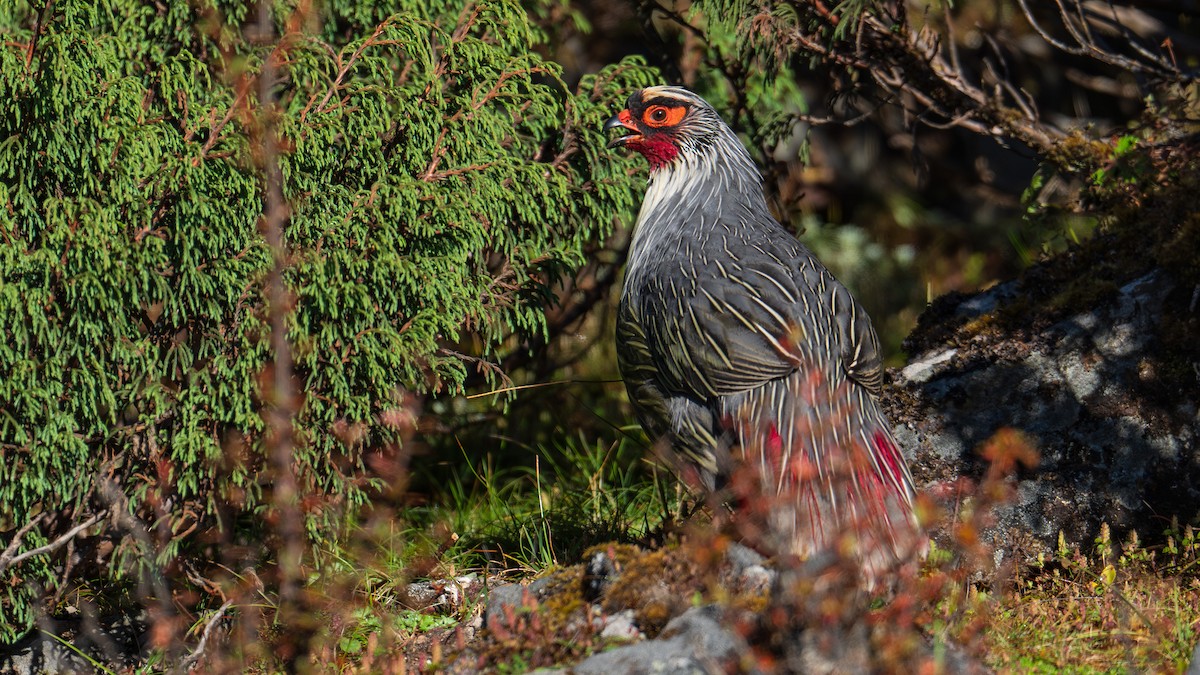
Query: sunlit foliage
point(439, 176)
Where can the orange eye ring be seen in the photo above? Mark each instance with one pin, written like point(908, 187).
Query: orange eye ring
point(663, 116)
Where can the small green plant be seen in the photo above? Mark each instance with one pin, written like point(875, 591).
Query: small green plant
point(574, 493)
point(1138, 606)
point(1123, 149)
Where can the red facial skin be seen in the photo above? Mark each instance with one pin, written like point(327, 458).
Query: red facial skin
point(658, 149)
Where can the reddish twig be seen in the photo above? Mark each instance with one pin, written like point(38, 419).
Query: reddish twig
point(38, 27)
point(281, 395)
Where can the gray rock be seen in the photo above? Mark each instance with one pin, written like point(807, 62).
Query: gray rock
point(1110, 451)
point(446, 595)
point(748, 570)
point(694, 642)
point(65, 645)
point(983, 303)
point(40, 654)
point(741, 558)
point(500, 597)
point(620, 626)
point(820, 651)
point(511, 595)
point(1194, 668)
point(923, 369)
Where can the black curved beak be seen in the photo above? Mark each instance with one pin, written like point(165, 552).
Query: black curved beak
point(621, 119)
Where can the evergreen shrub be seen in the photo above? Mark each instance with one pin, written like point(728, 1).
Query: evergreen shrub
point(440, 178)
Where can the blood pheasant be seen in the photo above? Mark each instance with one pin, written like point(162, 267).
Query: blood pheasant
point(732, 335)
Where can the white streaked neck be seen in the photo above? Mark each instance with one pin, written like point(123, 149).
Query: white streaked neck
point(703, 183)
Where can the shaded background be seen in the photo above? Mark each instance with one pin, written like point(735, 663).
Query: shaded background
point(901, 209)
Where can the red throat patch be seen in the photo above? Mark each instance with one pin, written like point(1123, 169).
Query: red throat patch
point(658, 152)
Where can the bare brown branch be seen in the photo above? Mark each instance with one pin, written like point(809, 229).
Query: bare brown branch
point(281, 392)
point(193, 659)
point(10, 557)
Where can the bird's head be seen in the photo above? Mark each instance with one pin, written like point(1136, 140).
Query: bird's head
point(665, 123)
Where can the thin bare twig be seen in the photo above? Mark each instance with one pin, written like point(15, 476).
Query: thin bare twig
point(186, 664)
point(1150, 64)
point(8, 560)
point(926, 76)
point(11, 549)
point(344, 69)
point(38, 27)
point(951, 42)
point(215, 133)
point(281, 396)
point(118, 505)
point(536, 385)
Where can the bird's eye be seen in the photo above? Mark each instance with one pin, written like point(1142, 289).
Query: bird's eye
point(663, 116)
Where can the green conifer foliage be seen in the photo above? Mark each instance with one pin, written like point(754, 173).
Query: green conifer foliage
point(440, 177)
